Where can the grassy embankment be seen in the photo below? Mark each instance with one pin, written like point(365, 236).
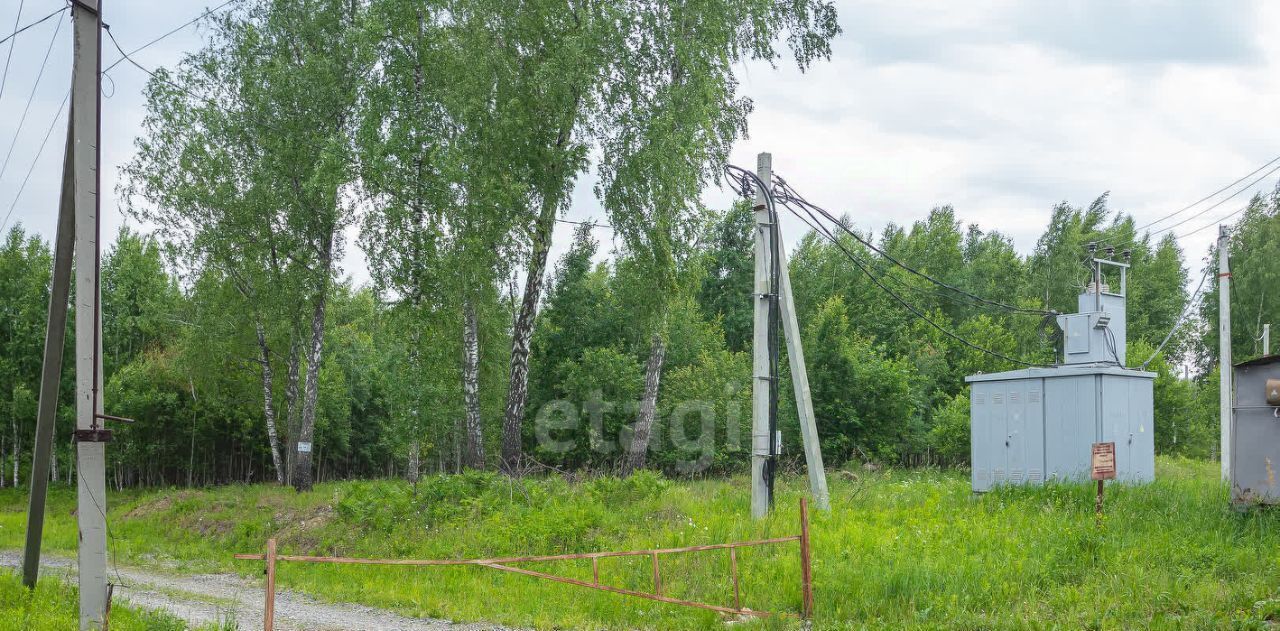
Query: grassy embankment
point(902, 549)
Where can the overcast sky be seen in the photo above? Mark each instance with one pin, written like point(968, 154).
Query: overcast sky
point(1001, 109)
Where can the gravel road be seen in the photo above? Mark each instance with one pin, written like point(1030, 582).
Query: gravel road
point(212, 598)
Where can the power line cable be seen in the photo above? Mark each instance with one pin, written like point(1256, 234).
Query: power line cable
point(912, 308)
point(15, 33)
point(921, 291)
point(39, 151)
point(30, 97)
point(1207, 197)
point(790, 195)
point(1191, 304)
point(1220, 202)
point(206, 13)
point(825, 232)
point(1210, 225)
point(4, 79)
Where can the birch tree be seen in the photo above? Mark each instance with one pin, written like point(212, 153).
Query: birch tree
point(652, 85)
point(250, 139)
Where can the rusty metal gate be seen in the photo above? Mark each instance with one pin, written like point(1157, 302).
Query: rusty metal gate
point(506, 564)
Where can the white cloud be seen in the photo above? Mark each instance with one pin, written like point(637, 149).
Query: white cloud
point(999, 108)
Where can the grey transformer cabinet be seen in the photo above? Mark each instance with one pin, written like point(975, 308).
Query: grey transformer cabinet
point(1255, 432)
point(1039, 424)
point(1030, 426)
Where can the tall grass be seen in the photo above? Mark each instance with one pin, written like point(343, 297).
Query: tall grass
point(901, 549)
point(54, 605)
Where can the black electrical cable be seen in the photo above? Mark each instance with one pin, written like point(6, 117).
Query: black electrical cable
point(15, 33)
point(1191, 304)
point(791, 196)
point(147, 45)
point(365, 174)
point(4, 166)
point(4, 79)
point(23, 186)
point(1207, 197)
point(749, 181)
point(865, 270)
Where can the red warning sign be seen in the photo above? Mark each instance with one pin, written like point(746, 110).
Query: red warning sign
point(1104, 461)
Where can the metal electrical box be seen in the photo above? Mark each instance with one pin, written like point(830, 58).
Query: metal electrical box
point(1038, 424)
point(1029, 426)
point(1255, 432)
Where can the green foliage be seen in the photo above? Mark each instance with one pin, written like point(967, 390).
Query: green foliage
point(949, 436)
point(860, 397)
point(924, 552)
point(54, 604)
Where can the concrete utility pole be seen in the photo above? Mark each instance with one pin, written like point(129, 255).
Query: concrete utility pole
point(1266, 339)
point(78, 216)
point(800, 381)
point(51, 374)
point(91, 503)
point(760, 438)
point(1224, 351)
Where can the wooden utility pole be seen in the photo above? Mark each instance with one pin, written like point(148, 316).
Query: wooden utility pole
point(1224, 350)
point(761, 440)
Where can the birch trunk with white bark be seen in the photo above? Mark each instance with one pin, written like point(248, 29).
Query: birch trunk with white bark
point(638, 450)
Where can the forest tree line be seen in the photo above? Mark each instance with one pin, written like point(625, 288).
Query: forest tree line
point(450, 136)
point(186, 359)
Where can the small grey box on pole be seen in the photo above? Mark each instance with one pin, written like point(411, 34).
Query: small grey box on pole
point(1224, 350)
point(760, 438)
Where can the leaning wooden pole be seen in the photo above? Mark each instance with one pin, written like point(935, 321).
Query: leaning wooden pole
point(51, 371)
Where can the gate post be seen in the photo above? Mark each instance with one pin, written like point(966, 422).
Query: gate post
point(806, 570)
point(269, 609)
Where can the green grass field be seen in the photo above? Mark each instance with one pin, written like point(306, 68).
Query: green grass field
point(901, 549)
point(53, 606)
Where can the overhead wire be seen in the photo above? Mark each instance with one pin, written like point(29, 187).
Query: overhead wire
point(1208, 197)
point(16, 32)
point(910, 307)
point(1136, 238)
point(917, 312)
point(39, 151)
point(4, 79)
point(1191, 304)
point(1220, 202)
point(4, 166)
point(790, 195)
point(206, 13)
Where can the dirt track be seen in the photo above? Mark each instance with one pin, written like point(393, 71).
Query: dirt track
point(212, 598)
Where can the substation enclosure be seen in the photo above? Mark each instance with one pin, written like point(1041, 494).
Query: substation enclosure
point(1039, 424)
point(1255, 432)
